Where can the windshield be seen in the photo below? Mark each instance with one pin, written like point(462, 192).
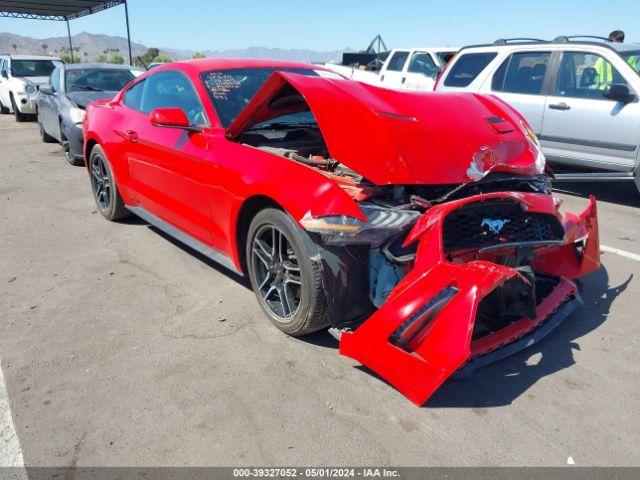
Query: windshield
point(93, 80)
point(32, 68)
point(231, 90)
point(633, 59)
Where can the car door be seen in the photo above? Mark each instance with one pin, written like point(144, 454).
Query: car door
point(393, 72)
point(4, 83)
point(521, 80)
point(168, 166)
point(421, 72)
point(581, 126)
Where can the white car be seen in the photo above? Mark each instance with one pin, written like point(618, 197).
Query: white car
point(581, 96)
point(20, 78)
point(404, 69)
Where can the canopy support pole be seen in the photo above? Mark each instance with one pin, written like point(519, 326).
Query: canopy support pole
point(70, 44)
point(126, 14)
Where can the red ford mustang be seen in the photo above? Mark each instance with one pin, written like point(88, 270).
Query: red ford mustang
point(419, 227)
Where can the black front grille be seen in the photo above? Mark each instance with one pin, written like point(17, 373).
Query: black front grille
point(486, 224)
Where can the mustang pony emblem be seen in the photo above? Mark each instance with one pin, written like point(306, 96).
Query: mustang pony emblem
point(495, 226)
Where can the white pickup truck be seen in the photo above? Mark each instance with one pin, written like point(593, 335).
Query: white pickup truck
point(404, 68)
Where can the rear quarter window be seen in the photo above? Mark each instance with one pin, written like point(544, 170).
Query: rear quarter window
point(467, 68)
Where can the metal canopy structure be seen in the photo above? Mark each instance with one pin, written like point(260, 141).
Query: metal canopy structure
point(61, 10)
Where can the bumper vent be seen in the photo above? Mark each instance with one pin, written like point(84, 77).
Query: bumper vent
point(494, 315)
point(487, 224)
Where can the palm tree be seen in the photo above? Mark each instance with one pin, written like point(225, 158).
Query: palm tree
point(15, 48)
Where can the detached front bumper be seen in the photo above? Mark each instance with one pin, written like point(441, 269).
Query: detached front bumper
point(75, 136)
point(446, 315)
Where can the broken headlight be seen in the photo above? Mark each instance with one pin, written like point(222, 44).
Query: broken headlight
point(381, 224)
point(541, 161)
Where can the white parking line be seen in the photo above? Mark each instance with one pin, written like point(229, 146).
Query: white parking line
point(10, 450)
point(622, 253)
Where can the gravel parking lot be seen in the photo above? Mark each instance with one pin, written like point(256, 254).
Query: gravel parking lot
point(120, 348)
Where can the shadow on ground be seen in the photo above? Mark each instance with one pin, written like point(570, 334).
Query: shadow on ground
point(501, 383)
point(622, 193)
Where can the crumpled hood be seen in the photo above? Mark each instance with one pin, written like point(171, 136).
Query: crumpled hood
point(393, 137)
point(82, 99)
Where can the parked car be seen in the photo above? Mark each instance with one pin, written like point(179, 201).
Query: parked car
point(404, 69)
point(61, 102)
point(420, 227)
point(20, 78)
point(580, 95)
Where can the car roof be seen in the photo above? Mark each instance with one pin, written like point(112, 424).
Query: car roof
point(528, 43)
point(32, 57)
point(430, 49)
point(205, 64)
point(99, 66)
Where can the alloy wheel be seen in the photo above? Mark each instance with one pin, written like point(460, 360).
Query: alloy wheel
point(101, 183)
point(277, 272)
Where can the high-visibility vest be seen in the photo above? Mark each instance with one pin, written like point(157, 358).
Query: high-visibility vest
point(605, 73)
point(634, 61)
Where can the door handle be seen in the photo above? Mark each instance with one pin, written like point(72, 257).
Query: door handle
point(559, 106)
point(131, 135)
point(404, 79)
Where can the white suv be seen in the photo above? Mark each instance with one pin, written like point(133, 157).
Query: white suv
point(20, 78)
point(580, 97)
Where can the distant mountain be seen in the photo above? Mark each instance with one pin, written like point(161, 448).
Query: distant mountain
point(92, 45)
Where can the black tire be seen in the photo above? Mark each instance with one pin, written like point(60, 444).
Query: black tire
point(71, 160)
point(104, 188)
point(293, 264)
point(20, 117)
point(46, 138)
point(3, 110)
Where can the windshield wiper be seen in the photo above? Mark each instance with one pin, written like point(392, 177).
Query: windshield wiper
point(87, 88)
point(283, 125)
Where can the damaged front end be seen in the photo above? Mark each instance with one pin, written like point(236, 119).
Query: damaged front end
point(450, 265)
point(471, 281)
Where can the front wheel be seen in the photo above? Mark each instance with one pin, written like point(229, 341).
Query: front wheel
point(103, 185)
point(46, 138)
point(287, 283)
point(3, 110)
point(20, 117)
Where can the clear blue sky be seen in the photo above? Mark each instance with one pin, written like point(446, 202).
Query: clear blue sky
point(336, 24)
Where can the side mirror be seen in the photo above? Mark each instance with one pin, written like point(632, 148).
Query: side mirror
point(172, 118)
point(619, 92)
point(47, 89)
point(5, 74)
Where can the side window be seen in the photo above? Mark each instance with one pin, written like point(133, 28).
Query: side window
point(397, 61)
point(522, 73)
point(467, 68)
point(133, 97)
point(173, 89)
point(3, 66)
point(585, 75)
point(422, 62)
point(55, 79)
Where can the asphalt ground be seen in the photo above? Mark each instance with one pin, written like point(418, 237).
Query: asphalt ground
point(120, 348)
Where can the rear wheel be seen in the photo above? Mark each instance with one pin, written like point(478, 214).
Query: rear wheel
point(103, 185)
point(3, 110)
point(286, 282)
